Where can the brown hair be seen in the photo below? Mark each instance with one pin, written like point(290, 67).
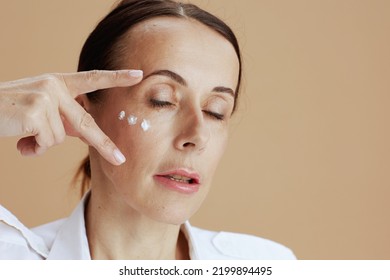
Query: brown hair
point(101, 47)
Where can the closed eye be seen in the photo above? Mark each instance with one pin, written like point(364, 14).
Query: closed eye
point(160, 103)
point(217, 116)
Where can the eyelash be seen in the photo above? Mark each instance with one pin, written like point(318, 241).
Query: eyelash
point(160, 104)
point(217, 116)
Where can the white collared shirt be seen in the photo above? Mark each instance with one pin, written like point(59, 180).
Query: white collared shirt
point(66, 239)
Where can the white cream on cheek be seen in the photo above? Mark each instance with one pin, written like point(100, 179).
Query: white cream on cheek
point(121, 115)
point(145, 125)
point(132, 120)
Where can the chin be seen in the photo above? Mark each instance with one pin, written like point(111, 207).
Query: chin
point(172, 215)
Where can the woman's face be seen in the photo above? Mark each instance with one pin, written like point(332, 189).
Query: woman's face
point(186, 97)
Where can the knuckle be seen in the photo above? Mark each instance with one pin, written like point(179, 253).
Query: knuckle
point(48, 142)
point(115, 75)
point(39, 99)
point(105, 143)
point(35, 113)
point(60, 137)
point(58, 81)
point(86, 121)
point(48, 82)
point(47, 87)
point(92, 75)
point(45, 140)
point(33, 116)
point(27, 125)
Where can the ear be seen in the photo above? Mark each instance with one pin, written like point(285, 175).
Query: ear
point(84, 102)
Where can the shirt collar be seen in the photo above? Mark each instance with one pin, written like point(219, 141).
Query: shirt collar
point(71, 242)
point(35, 242)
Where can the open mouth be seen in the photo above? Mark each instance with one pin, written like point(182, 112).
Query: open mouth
point(181, 179)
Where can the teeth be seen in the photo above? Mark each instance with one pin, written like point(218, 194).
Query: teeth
point(179, 178)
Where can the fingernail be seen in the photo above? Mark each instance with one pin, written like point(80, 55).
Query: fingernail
point(136, 73)
point(119, 157)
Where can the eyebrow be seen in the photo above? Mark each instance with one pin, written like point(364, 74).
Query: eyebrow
point(180, 80)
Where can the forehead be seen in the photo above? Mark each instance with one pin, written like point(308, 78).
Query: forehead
point(185, 46)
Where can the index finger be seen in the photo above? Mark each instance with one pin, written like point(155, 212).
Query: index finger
point(84, 126)
point(88, 81)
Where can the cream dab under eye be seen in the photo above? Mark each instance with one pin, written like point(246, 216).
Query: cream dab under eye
point(132, 120)
point(121, 115)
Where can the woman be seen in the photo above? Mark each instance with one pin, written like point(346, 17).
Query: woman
point(169, 122)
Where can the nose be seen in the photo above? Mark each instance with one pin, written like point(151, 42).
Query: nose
point(193, 133)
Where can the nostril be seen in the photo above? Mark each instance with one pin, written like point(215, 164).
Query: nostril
point(187, 144)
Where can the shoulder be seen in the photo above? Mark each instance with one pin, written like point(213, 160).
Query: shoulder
point(230, 245)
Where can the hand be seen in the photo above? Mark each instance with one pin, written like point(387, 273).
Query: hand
point(43, 110)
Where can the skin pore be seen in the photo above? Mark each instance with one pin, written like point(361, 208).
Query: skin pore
point(187, 95)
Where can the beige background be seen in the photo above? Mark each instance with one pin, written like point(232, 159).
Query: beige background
point(309, 157)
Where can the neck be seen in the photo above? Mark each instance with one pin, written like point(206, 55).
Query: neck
point(116, 231)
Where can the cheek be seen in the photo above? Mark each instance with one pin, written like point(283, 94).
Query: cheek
point(220, 146)
point(139, 131)
point(216, 148)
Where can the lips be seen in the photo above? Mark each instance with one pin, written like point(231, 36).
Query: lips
point(180, 180)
